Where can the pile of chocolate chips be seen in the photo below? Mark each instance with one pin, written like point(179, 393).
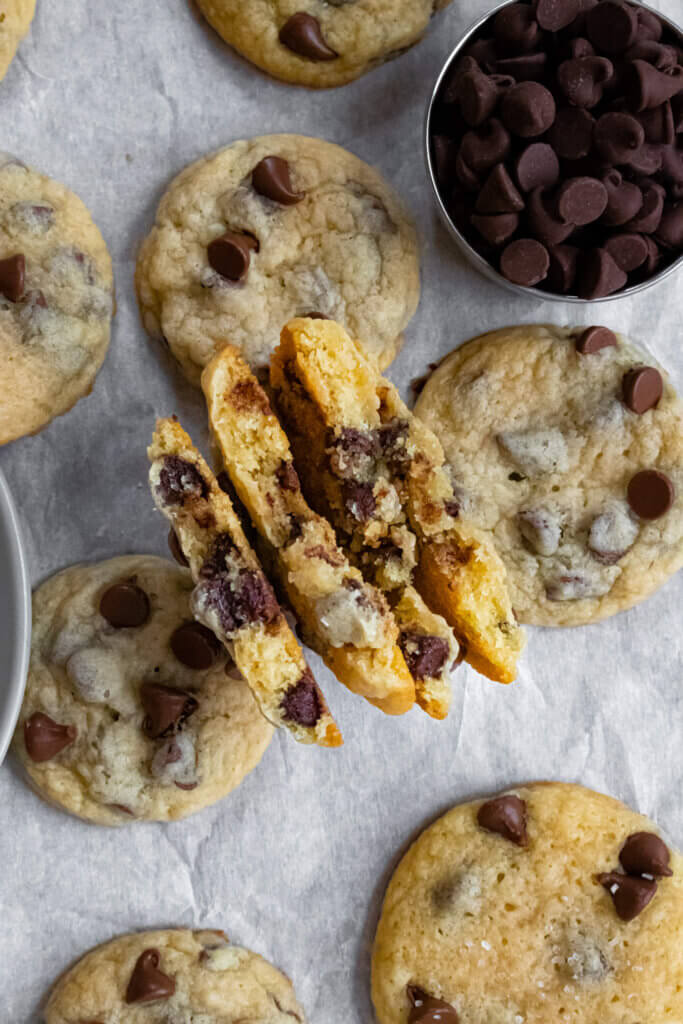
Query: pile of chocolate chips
point(557, 143)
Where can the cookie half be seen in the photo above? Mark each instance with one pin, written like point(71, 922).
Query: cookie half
point(270, 228)
point(565, 446)
point(547, 903)
point(132, 711)
point(172, 975)
point(17, 16)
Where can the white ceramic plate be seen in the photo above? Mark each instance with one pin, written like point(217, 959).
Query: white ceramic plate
point(15, 617)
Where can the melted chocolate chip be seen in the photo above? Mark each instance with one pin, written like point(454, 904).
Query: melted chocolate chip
point(125, 606)
point(630, 895)
point(147, 983)
point(426, 1009)
point(195, 646)
point(642, 389)
point(644, 853)
point(271, 179)
point(595, 338)
point(175, 548)
point(425, 655)
point(179, 480)
point(166, 708)
point(243, 601)
point(393, 440)
point(230, 255)
point(287, 476)
point(44, 738)
point(303, 35)
point(650, 494)
point(303, 702)
point(12, 276)
point(505, 815)
point(359, 500)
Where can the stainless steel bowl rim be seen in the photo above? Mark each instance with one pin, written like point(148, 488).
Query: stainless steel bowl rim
point(16, 580)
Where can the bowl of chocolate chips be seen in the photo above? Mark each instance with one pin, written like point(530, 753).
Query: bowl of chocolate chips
point(554, 139)
point(15, 618)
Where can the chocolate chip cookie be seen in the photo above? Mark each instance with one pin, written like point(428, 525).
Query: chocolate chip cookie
point(172, 976)
point(132, 711)
point(320, 43)
point(270, 228)
point(548, 903)
point(17, 16)
point(56, 299)
point(566, 446)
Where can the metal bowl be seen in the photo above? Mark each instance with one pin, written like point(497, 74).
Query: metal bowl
point(15, 618)
point(472, 255)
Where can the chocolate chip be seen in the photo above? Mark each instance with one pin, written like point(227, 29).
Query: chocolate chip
point(166, 708)
point(650, 494)
point(629, 250)
point(582, 79)
point(303, 35)
point(646, 87)
point(617, 136)
point(505, 815)
point(230, 256)
point(303, 703)
point(316, 316)
point(525, 262)
point(147, 983)
point(552, 15)
point(425, 655)
point(241, 601)
point(644, 853)
point(195, 646)
point(649, 25)
point(642, 388)
point(516, 29)
point(599, 275)
point(12, 277)
point(175, 548)
point(612, 26)
point(359, 500)
point(649, 215)
point(562, 270)
point(125, 606)
point(580, 201)
point(624, 200)
point(629, 895)
point(548, 228)
point(179, 480)
point(488, 145)
point(495, 228)
point(662, 56)
point(498, 193)
point(528, 67)
point(537, 166)
point(669, 231)
point(528, 109)
point(595, 338)
point(571, 134)
point(426, 1009)
point(271, 179)
point(44, 738)
point(287, 476)
point(445, 152)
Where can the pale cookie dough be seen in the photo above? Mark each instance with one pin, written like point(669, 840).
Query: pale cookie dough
point(542, 448)
point(328, 42)
point(15, 19)
point(174, 977)
point(56, 299)
point(344, 247)
point(102, 732)
point(496, 911)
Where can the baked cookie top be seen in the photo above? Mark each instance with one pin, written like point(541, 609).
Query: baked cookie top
point(320, 43)
point(270, 228)
point(132, 711)
point(56, 299)
point(17, 16)
point(550, 903)
point(173, 976)
point(566, 445)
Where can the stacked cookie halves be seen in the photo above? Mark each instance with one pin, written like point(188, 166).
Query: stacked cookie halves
point(357, 523)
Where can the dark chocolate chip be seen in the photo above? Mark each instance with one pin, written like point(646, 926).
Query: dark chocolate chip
point(562, 270)
point(12, 277)
point(505, 815)
point(580, 201)
point(599, 275)
point(582, 79)
point(642, 388)
point(303, 35)
point(628, 250)
point(571, 134)
point(528, 109)
point(425, 655)
point(166, 708)
point(498, 193)
point(303, 702)
point(617, 136)
point(624, 200)
point(644, 853)
point(147, 983)
point(180, 479)
point(612, 26)
point(230, 256)
point(552, 15)
point(195, 646)
point(525, 262)
point(595, 338)
point(496, 228)
point(650, 494)
point(44, 738)
point(125, 606)
point(646, 87)
point(175, 548)
point(426, 1009)
point(629, 895)
point(271, 179)
point(537, 166)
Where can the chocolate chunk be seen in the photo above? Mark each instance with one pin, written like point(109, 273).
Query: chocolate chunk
point(179, 480)
point(617, 136)
point(552, 15)
point(425, 655)
point(612, 26)
point(12, 277)
point(303, 35)
point(44, 738)
point(582, 79)
point(528, 109)
point(505, 815)
point(229, 255)
point(166, 708)
point(629, 895)
point(562, 270)
point(629, 250)
point(527, 68)
point(303, 703)
point(525, 262)
point(195, 646)
point(271, 179)
point(547, 228)
point(147, 983)
point(581, 200)
point(426, 1009)
point(647, 87)
point(242, 601)
point(495, 228)
point(595, 338)
point(537, 166)
point(175, 548)
point(642, 388)
point(599, 275)
point(669, 231)
point(650, 494)
point(287, 476)
point(125, 606)
point(516, 29)
point(624, 200)
point(488, 145)
point(571, 134)
point(498, 194)
point(644, 853)
point(649, 215)
point(359, 500)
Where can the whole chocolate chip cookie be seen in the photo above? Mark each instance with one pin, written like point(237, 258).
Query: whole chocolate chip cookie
point(320, 43)
point(268, 229)
point(172, 976)
point(132, 711)
point(16, 18)
point(56, 299)
point(566, 446)
point(549, 903)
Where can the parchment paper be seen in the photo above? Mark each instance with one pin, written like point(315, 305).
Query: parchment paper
point(114, 99)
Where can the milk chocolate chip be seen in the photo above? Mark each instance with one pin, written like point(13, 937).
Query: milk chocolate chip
point(528, 109)
point(125, 606)
point(644, 853)
point(303, 35)
point(229, 255)
point(195, 646)
point(537, 166)
point(44, 738)
point(642, 388)
point(147, 983)
point(650, 494)
point(426, 1009)
point(525, 262)
point(629, 895)
point(505, 815)
point(595, 338)
point(166, 708)
point(271, 179)
point(12, 275)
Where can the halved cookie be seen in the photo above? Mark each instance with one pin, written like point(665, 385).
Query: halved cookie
point(232, 596)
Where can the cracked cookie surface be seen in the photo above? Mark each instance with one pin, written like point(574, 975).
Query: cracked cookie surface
point(17, 16)
point(336, 241)
point(56, 299)
point(496, 911)
point(132, 711)
point(546, 444)
point(173, 976)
